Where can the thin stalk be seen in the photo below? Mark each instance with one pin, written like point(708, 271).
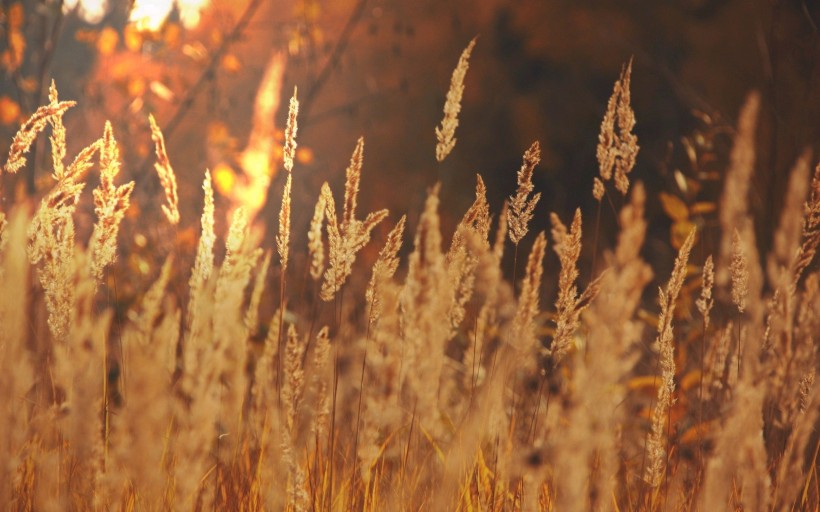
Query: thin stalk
point(595, 241)
point(476, 362)
point(614, 210)
point(316, 311)
point(106, 416)
point(332, 440)
point(643, 496)
point(515, 266)
point(314, 477)
point(311, 487)
point(341, 306)
point(409, 440)
point(354, 475)
point(737, 336)
point(282, 280)
point(700, 391)
point(495, 476)
point(666, 467)
point(534, 421)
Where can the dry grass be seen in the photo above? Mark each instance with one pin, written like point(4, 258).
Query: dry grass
point(446, 133)
point(449, 388)
point(166, 174)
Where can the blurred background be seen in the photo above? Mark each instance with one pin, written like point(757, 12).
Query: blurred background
point(218, 74)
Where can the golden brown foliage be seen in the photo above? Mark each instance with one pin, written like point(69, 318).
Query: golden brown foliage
point(441, 389)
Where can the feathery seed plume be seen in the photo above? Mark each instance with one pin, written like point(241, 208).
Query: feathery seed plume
point(57, 135)
point(204, 262)
point(384, 268)
point(713, 381)
point(445, 134)
point(739, 273)
point(805, 390)
point(782, 262)
point(235, 241)
point(734, 206)
point(336, 245)
point(292, 393)
point(423, 306)
point(476, 219)
point(705, 302)
point(321, 358)
point(598, 188)
point(614, 333)
point(316, 247)
point(477, 216)
point(521, 207)
point(63, 198)
point(491, 277)
point(28, 132)
point(110, 204)
point(353, 176)
point(569, 305)
point(289, 150)
point(283, 238)
point(58, 269)
point(469, 240)
point(166, 173)
point(790, 472)
point(617, 150)
point(81, 164)
point(294, 378)
point(655, 470)
point(228, 351)
point(348, 238)
point(51, 230)
point(811, 227)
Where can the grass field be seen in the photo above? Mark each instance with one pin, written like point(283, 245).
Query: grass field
point(423, 380)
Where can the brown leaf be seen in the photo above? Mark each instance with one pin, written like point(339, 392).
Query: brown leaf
point(674, 207)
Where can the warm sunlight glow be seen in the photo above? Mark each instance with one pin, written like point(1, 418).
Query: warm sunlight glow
point(256, 158)
point(151, 14)
point(145, 14)
point(189, 11)
point(91, 11)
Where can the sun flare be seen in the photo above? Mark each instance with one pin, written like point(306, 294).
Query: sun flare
point(145, 14)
